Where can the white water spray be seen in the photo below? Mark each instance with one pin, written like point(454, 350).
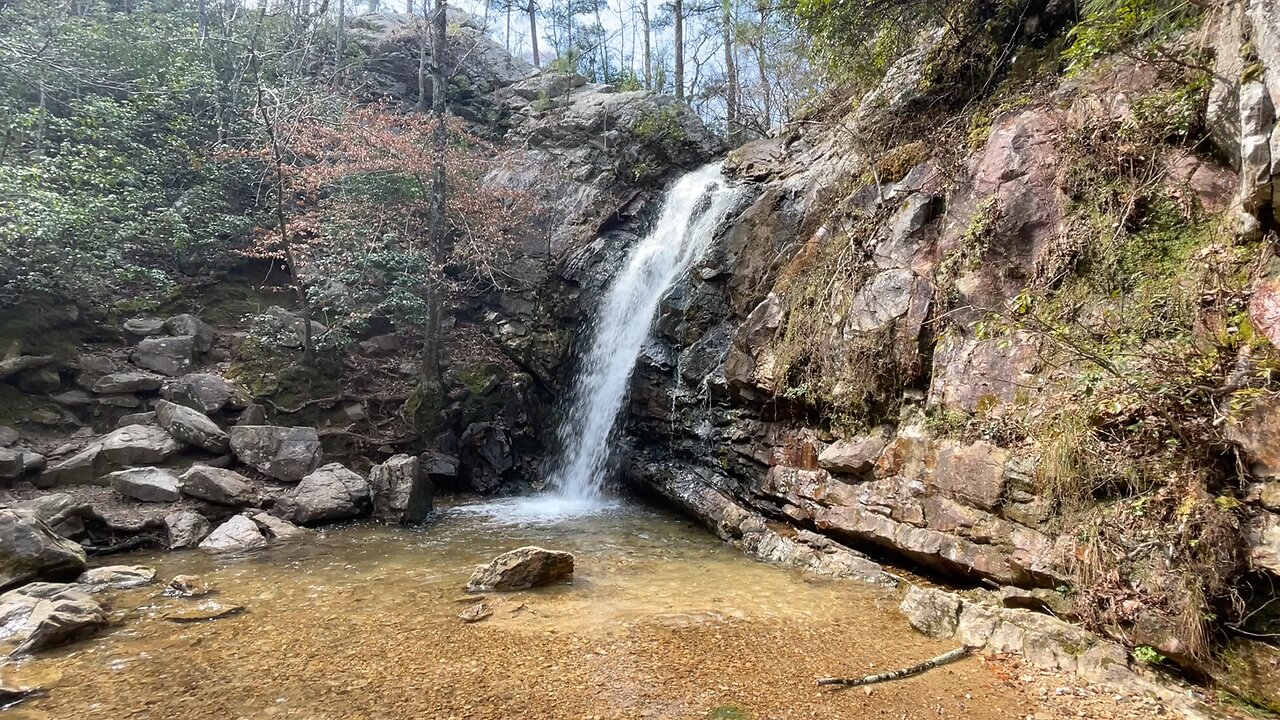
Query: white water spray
point(691, 212)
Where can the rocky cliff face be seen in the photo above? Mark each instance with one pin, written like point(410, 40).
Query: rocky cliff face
point(876, 360)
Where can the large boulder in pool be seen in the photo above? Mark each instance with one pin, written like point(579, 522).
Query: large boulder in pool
point(237, 534)
point(30, 550)
point(522, 568)
point(402, 493)
point(284, 453)
point(332, 492)
point(41, 615)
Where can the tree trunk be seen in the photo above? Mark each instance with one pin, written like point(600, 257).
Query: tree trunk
point(203, 12)
point(533, 32)
point(408, 6)
point(648, 45)
point(422, 57)
point(766, 90)
point(732, 123)
point(431, 355)
point(337, 55)
point(678, 7)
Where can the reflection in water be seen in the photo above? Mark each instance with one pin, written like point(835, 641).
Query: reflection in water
point(661, 620)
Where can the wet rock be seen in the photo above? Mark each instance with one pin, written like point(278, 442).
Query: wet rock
point(237, 534)
point(204, 392)
point(167, 356)
point(147, 484)
point(118, 577)
point(217, 485)
point(138, 445)
point(191, 427)
point(277, 529)
point(935, 613)
point(30, 549)
point(284, 453)
point(144, 326)
point(185, 529)
point(142, 418)
point(127, 382)
point(332, 492)
point(401, 492)
point(204, 611)
point(39, 381)
point(491, 443)
point(83, 468)
point(522, 568)
point(854, 456)
point(186, 586)
point(43, 615)
point(189, 325)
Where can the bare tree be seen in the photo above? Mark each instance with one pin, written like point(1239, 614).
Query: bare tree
point(678, 14)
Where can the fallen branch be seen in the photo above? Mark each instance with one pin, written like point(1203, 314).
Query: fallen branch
point(898, 674)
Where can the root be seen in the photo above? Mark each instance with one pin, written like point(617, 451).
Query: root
point(942, 659)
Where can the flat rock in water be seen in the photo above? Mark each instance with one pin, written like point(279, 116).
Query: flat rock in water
point(119, 577)
point(203, 611)
point(522, 568)
point(41, 615)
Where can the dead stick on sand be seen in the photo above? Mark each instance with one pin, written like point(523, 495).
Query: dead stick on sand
point(898, 674)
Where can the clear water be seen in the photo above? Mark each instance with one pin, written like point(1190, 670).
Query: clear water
point(692, 210)
point(660, 620)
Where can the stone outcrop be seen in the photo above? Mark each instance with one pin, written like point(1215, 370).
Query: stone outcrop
point(284, 453)
point(401, 492)
point(522, 568)
point(30, 550)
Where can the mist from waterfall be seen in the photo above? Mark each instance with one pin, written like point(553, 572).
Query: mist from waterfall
point(691, 212)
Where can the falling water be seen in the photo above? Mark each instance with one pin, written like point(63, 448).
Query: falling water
point(691, 211)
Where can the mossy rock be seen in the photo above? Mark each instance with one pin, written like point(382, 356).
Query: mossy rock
point(1250, 670)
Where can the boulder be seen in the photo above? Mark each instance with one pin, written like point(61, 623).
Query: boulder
point(165, 355)
point(217, 485)
point(33, 462)
point(277, 529)
point(293, 327)
point(191, 427)
point(83, 468)
point(401, 492)
point(380, 345)
point(146, 484)
point(1262, 542)
point(188, 325)
point(127, 382)
point(144, 326)
point(205, 392)
point(75, 397)
point(185, 529)
point(237, 534)
point(121, 401)
point(284, 453)
point(186, 586)
point(29, 549)
point(332, 492)
point(43, 615)
point(253, 414)
point(853, 456)
point(63, 513)
point(117, 577)
point(9, 367)
point(138, 445)
point(12, 464)
point(522, 568)
point(8, 436)
point(39, 381)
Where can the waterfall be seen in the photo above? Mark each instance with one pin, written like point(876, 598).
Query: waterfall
point(691, 211)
